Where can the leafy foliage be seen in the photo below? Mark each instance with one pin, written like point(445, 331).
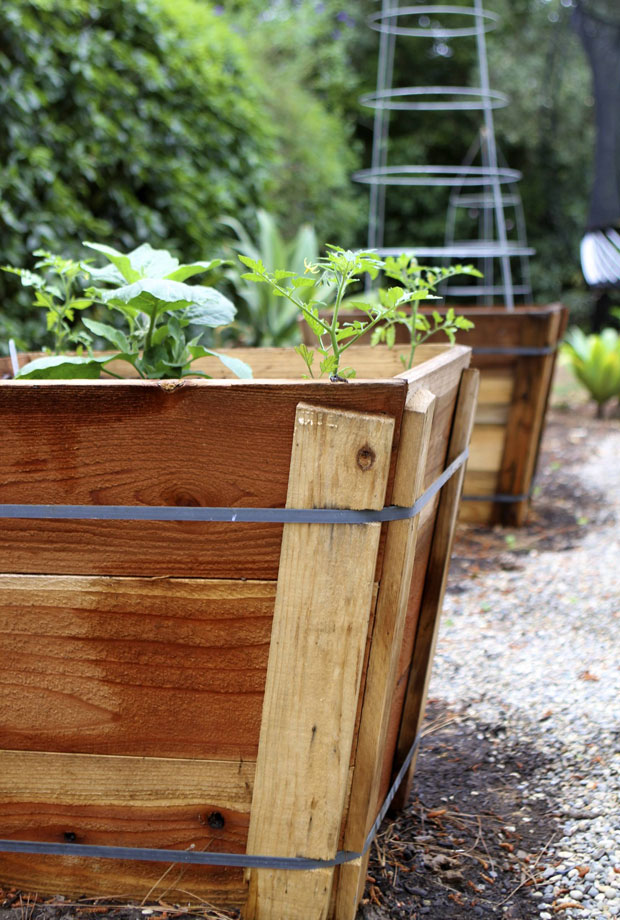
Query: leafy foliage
point(595, 361)
point(157, 307)
point(305, 53)
point(265, 318)
point(120, 125)
point(336, 273)
point(57, 290)
point(419, 281)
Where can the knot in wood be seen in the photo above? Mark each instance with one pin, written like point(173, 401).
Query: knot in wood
point(215, 819)
point(366, 458)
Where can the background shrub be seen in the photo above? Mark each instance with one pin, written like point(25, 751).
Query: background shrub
point(123, 121)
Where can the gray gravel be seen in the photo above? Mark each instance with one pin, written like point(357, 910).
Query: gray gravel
point(538, 650)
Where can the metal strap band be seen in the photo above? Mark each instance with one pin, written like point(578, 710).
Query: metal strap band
point(519, 350)
point(500, 497)
point(232, 515)
point(240, 860)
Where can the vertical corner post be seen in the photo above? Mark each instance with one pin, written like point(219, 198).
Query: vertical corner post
point(435, 584)
point(340, 459)
point(387, 637)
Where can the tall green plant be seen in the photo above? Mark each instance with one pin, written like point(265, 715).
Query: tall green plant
point(265, 317)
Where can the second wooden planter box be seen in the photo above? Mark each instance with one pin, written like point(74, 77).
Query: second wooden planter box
point(515, 353)
point(245, 688)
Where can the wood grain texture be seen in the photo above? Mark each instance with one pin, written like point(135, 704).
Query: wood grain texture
point(123, 801)
point(125, 880)
point(282, 364)
point(323, 603)
point(525, 422)
point(487, 448)
point(151, 667)
point(221, 443)
point(387, 636)
point(435, 583)
point(524, 388)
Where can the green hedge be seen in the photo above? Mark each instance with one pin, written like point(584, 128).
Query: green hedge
point(123, 121)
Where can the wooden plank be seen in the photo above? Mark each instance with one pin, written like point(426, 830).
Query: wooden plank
point(123, 801)
point(320, 626)
point(480, 482)
point(493, 414)
point(487, 448)
point(447, 391)
point(283, 364)
point(85, 780)
point(151, 667)
point(387, 636)
point(125, 880)
point(222, 443)
point(436, 577)
point(496, 387)
point(532, 384)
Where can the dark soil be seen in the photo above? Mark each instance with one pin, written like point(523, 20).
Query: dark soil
point(470, 843)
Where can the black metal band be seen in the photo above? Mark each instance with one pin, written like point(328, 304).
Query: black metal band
point(239, 860)
point(520, 351)
point(503, 497)
point(232, 515)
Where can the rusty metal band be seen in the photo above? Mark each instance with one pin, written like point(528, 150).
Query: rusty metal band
point(233, 515)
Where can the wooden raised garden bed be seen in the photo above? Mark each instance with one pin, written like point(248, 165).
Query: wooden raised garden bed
point(515, 353)
point(219, 687)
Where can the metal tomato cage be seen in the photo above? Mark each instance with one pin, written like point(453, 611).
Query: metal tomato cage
point(481, 187)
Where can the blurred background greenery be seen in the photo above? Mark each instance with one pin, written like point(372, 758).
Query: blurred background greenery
point(134, 120)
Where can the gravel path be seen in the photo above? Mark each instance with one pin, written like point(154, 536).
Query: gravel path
point(537, 650)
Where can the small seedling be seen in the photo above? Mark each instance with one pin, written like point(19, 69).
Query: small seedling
point(57, 285)
point(335, 274)
point(419, 282)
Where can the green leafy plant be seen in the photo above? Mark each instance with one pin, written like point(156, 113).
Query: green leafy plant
point(158, 311)
point(335, 274)
point(595, 361)
point(57, 289)
point(264, 318)
point(337, 270)
point(129, 121)
point(420, 282)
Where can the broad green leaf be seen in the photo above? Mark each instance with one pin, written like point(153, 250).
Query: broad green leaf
point(121, 261)
point(183, 272)
point(28, 278)
point(63, 367)
point(109, 274)
point(113, 335)
point(154, 296)
point(236, 365)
